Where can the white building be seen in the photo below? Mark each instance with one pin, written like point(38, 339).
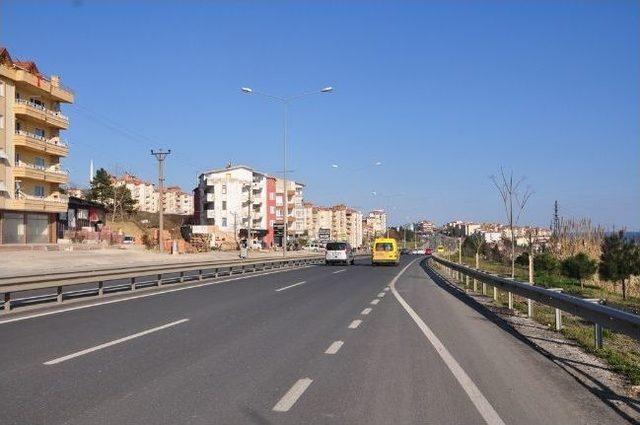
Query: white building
point(235, 199)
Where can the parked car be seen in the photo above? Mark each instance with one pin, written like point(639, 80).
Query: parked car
point(128, 240)
point(339, 253)
point(428, 251)
point(405, 251)
point(417, 252)
point(385, 251)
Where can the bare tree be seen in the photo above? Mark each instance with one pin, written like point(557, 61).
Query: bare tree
point(514, 198)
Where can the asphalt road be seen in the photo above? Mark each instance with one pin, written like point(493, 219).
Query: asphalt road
point(317, 345)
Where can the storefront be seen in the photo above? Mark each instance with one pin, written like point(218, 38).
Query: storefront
point(26, 227)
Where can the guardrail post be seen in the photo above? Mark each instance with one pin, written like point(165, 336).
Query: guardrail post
point(484, 288)
point(133, 283)
point(475, 281)
point(243, 269)
point(159, 279)
point(100, 288)
point(59, 294)
point(495, 293)
point(215, 272)
point(510, 295)
point(597, 328)
point(7, 302)
point(200, 274)
point(181, 277)
point(530, 301)
point(558, 311)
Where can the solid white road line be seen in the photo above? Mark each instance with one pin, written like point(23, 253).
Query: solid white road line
point(290, 398)
point(376, 301)
point(144, 295)
point(339, 271)
point(333, 348)
point(355, 324)
point(483, 406)
point(366, 311)
point(381, 294)
point(291, 286)
point(114, 342)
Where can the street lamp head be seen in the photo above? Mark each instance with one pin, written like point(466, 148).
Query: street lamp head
point(246, 90)
point(327, 90)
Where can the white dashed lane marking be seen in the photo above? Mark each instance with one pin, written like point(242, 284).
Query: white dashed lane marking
point(355, 324)
point(334, 347)
point(289, 399)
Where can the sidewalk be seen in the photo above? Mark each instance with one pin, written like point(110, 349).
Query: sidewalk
point(15, 263)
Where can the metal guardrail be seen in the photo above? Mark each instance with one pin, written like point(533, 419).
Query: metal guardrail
point(600, 315)
point(204, 269)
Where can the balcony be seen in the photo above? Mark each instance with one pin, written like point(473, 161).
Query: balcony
point(53, 146)
point(211, 214)
point(41, 114)
point(56, 202)
point(257, 202)
point(53, 174)
point(52, 87)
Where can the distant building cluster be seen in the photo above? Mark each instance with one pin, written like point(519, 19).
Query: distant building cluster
point(494, 232)
point(147, 196)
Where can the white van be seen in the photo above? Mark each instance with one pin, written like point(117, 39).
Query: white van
point(339, 253)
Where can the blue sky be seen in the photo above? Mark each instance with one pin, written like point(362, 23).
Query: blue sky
point(442, 93)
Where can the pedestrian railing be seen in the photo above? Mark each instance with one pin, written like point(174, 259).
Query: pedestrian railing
point(591, 310)
point(102, 281)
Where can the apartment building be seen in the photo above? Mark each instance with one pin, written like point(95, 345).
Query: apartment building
point(376, 223)
point(237, 199)
point(175, 201)
point(295, 214)
point(31, 148)
point(143, 192)
point(338, 222)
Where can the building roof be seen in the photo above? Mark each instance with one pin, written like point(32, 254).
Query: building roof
point(230, 168)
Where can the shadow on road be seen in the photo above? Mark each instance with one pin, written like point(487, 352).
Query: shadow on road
point(599, 389)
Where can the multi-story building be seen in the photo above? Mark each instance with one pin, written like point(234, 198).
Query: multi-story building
point(31, 148)
point(175, 201)
point(236, 200)
point(376, 223)
point(143, 192)
point(295, 214)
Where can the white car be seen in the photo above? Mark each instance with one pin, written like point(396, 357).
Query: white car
point(339, 253)
point(417, 252)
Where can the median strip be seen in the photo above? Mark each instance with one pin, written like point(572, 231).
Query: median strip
point(291, 286)
point(289, 399)
point(111, 343)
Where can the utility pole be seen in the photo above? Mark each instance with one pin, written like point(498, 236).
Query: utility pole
point(160, 157)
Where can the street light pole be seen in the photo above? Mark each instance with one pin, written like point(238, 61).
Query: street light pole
point(285, 103)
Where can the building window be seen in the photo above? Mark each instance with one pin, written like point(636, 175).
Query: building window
point(2, 88)
point(39, 162)
point(224, 189)
point(224, 221)
point(39, 132)
point(17, 158)
point(1, 121)
point(224, 205)
point(38, 191)
point(272, 196)
point(37, 228)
